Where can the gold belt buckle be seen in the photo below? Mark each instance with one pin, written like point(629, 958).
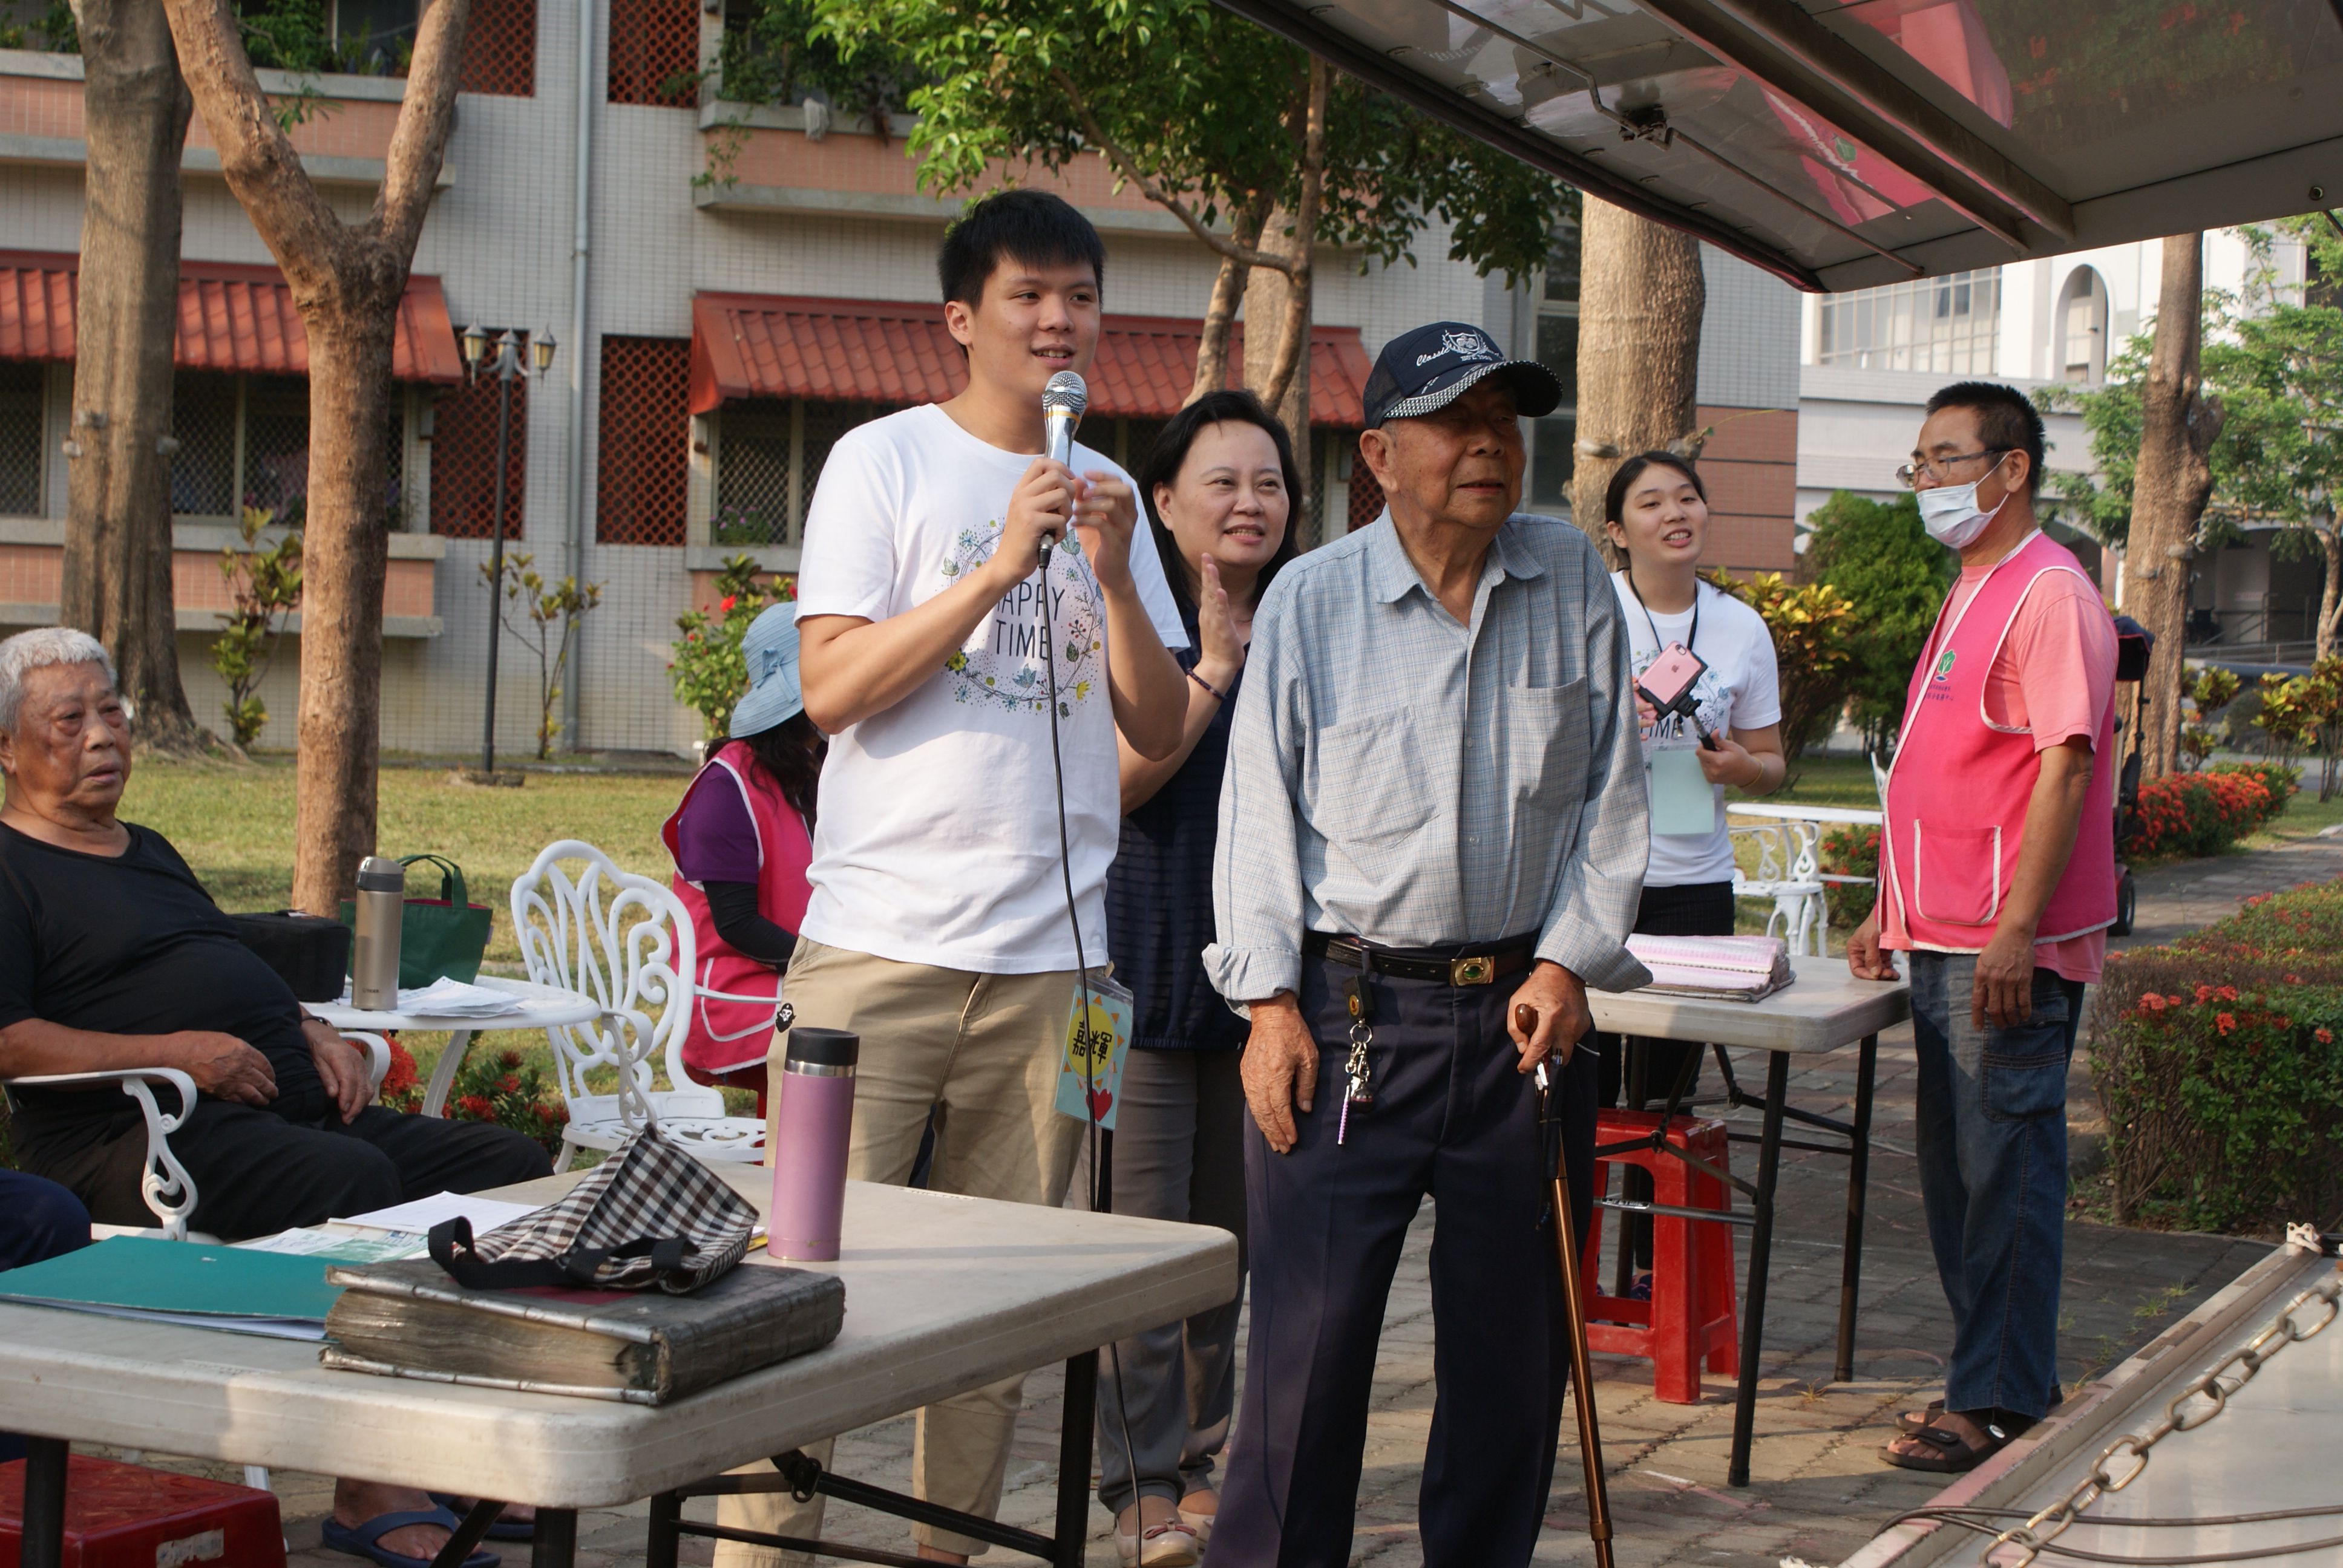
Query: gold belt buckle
point(1479, 969)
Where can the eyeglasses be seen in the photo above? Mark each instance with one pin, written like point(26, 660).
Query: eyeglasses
point(1936, 468)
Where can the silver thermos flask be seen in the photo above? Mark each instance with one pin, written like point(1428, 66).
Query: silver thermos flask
point(381, 910)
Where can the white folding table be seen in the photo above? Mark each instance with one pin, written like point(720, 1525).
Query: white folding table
point(943, 1295)
point(1825, 1007)
point(541, 1007)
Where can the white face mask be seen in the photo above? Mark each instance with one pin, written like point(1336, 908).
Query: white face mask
point(1949, 512)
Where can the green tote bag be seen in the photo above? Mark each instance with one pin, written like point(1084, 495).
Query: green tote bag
point(438, 939)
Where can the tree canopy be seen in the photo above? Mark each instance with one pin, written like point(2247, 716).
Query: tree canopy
point(1191, 100)
point(1878, 555)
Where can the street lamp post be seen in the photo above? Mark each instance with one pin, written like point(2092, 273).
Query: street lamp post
point(506, 366)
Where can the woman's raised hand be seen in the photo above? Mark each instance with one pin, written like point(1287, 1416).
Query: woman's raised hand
point(1223, 651)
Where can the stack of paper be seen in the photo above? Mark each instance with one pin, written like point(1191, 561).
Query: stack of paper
point(453, 998)
point(1729, 968)
point(417, 1218)
point(328, 1244)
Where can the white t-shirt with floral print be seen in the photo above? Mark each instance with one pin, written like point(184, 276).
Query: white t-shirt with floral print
point(936, 838)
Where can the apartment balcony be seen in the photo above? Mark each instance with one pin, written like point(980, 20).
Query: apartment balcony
point(344, 141)
point(32, 576)
point(763, 158)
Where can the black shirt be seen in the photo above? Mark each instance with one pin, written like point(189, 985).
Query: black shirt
point(132, 944)
point(1159, 895)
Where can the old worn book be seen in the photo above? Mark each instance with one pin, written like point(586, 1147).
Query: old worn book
point(646, 1347)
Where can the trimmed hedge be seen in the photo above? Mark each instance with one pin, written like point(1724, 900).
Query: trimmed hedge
point(2217, 1062)
point(2191, 814)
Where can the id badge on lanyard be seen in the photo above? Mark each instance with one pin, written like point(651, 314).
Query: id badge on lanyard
point(1683, 801)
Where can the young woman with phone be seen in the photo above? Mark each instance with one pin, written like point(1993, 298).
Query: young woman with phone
point(1723, 730)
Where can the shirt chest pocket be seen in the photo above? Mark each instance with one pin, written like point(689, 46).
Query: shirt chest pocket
point(1366, 784)
point(1543, 744)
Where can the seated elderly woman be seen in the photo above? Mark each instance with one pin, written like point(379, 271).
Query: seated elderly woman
point(113, 956)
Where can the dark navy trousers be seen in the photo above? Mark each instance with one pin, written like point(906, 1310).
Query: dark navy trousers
point(1453, 1120)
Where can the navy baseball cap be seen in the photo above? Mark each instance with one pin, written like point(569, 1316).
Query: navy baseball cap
point(1428, 368)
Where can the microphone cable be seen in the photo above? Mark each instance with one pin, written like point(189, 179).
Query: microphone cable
point(1082, 992)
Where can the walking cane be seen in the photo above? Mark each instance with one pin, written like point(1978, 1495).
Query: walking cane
point(1590, 1436)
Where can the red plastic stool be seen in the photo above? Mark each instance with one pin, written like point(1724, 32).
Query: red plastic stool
point(128, 1516)
point(1692, 1314)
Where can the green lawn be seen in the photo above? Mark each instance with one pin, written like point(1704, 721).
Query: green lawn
point(234, 825)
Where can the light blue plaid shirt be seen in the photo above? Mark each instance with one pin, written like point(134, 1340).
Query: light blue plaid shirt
point(1395, 775)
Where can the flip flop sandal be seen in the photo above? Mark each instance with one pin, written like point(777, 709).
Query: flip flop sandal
point(1912, 1421)
point(502, 1530)
point(1954, 1456)
point(365, 1539)
point(1169, 1545)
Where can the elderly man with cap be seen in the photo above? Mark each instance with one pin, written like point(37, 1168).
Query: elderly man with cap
point(1434, 817)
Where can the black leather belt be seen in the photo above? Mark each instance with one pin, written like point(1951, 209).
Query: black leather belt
point(1448, 966)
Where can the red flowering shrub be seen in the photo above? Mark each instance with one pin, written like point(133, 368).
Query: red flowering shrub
point(1850, 853)
point(2205, 813)
point(501, 1087)
point(2215, 1060)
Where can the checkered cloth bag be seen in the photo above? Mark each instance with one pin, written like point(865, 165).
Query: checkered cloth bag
point(650, 1215)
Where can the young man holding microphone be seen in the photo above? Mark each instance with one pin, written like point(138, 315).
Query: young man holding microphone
point(938, 926)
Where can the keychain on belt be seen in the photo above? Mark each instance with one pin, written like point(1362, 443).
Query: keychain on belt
point(1356, 1093)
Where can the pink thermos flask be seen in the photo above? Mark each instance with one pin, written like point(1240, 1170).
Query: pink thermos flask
point(811, 1127)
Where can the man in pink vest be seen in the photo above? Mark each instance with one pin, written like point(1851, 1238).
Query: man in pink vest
point(1996, 873)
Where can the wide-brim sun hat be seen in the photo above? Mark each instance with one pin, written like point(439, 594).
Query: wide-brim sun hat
point(1422, 371)
point(769, 649)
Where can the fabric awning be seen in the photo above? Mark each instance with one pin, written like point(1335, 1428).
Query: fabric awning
point(869, 351)
point(232, 318)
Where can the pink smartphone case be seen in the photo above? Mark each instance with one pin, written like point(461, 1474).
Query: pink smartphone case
point(1670, 676)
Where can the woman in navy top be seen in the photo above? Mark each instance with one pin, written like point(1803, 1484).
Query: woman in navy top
point(1219, 488)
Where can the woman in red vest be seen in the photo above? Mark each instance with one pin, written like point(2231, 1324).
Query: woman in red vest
point(741, 841)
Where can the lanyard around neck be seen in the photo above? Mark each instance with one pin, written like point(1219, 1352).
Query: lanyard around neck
point(1692, 636)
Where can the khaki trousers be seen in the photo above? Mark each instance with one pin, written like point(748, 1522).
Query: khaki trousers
point(985, 1049)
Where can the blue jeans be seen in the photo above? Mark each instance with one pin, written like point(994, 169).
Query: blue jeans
point(1993, 1179)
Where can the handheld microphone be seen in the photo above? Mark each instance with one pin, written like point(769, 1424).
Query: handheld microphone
point(1064, 403)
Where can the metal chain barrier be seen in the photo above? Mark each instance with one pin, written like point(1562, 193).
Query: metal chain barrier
point(2195, 1405)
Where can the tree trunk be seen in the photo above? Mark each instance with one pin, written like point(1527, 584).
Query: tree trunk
point(346, 281)
point(346, 550)
point(1640, 299)
point(1221, 310)
point(2169, 489)
point(117, 557)
point(2330, 597)
point(1277, 362)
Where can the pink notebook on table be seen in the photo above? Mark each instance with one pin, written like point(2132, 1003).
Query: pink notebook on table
point(1729, 968)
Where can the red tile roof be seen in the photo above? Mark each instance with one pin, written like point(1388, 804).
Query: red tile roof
point(872, 351)
point(231, 317)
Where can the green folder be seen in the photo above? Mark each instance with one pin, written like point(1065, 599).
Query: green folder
point(183, 1282)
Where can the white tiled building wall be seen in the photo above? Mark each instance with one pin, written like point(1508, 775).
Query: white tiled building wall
point(500, 238)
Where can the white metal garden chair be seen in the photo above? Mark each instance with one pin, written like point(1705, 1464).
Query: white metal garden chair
point(625, 940)
point(1789, 872)
point(169, 1191)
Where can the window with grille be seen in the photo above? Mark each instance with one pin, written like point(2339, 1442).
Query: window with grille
point(655, 53)
point(464, 458)
point(1947, 325)
point(21, 446)
point(501, 49)
point(1554, 439)
point(244, 441)
point(1367, 499)
point(643, 481)
point(770, 455)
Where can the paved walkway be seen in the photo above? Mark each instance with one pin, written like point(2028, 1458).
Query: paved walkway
point(1819, 1490)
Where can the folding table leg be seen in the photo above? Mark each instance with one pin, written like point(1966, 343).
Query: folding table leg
point(1761, 1258)
point(1073, 1533)
point(45, 1502)
point(554, 1544)
point(1859, 1179)
point(666, 1512)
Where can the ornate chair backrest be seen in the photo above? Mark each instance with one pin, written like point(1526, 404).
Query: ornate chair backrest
point(625, 940)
